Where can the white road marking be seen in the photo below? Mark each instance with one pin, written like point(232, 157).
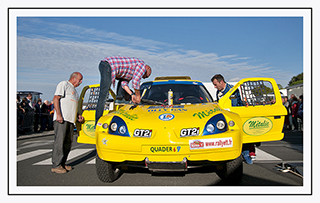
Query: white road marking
point(93, 161)
point(264, 156)
point(261, 156)
point(73, 154)
point(31, 154)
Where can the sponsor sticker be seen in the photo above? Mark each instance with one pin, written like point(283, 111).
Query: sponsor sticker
point(161, 109)
point(189, 132)
point(165, 149)
point(88, 128)
point(166, 117)
point(127, 115)
point(211, 143)
point(142, 133)
point(206, 113)
point(257, 126)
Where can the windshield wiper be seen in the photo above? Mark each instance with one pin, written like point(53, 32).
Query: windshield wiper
point(148, 102)
point(152, 102)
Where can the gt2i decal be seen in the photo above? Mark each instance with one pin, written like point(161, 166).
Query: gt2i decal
point(164, 149)
point(142, 133)
point(211, 143)
point(257, 126)
point(189, 132)
point(206, 113)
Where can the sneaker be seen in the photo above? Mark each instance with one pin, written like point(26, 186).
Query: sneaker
point(68, 168)
point(253, 158)
point(246, 157)
point(59, 170)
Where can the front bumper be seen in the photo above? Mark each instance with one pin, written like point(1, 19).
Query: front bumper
point(121, 149)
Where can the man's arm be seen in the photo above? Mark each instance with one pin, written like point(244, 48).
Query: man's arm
point(56, 103)
point(135, 98)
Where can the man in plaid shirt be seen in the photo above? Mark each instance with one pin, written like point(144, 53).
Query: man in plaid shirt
point(125, 69)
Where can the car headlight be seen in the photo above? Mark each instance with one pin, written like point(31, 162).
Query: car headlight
point(113, 127)
point(216, 124)
point(221, 125)
point(210, 128)
point(122, 129)
point(118, 127)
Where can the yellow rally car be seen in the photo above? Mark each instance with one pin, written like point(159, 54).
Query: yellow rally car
point(178, 126)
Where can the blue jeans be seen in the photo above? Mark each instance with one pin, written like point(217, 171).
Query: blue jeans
point(105, 83)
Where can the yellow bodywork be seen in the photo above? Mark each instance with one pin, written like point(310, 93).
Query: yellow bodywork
point(165, 144)
point(251, 124)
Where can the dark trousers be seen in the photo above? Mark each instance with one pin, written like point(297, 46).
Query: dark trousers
point(105, 83)
point(63, 135)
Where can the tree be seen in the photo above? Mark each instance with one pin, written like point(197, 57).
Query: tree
point(296, 80)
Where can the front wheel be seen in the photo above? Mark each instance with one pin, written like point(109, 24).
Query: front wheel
point(231, 172)
point(106, 171)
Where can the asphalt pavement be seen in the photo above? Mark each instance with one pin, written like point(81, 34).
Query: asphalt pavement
point(33, 135)
point(292, 139)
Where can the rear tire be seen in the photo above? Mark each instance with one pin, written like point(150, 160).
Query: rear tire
point(106, 171)
point(232, 171)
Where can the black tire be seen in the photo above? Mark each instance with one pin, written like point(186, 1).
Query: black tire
point(106, 171)
point(231, 172)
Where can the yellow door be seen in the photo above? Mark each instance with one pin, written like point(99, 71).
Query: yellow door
point(87, 109)
point(260, 109)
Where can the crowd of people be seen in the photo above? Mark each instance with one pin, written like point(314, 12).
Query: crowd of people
point(34, 117)
point(294, 118)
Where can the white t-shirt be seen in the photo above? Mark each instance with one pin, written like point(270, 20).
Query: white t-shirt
point(68, 101)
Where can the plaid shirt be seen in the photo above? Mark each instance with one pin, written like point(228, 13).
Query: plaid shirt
point(128, 68)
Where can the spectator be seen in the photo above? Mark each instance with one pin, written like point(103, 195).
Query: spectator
point(50, 119)
point(285, 102)
point(300, 111)
point(29, 99)
point(44, 115)
point(294, 110)
point(65, 115)
point(20, 115)
point(27, 124)
point(37, 115)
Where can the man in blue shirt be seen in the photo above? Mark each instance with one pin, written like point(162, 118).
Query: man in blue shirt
point(223, 87)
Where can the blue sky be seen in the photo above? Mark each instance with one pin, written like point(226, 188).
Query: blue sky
point(49, 49)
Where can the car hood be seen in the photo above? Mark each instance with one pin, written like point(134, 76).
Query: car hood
point(177, 115)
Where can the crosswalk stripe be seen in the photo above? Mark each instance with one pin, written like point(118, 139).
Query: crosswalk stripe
point(93, 161)
point(32, 154)
point(264, 156)
point(261, 156)
point(73, 154)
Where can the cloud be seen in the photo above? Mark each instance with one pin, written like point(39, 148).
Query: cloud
point(45, 61)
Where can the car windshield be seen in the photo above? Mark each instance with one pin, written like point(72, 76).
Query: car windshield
point(182, 93)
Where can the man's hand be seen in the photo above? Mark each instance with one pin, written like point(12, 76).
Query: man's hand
point(59, 119)
point(80, 119)
point(136, 99)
